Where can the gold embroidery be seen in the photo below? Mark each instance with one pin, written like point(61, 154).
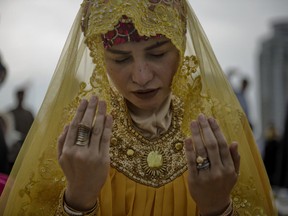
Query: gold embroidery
point(246, 198)
point(43, 186)
point(150, 162)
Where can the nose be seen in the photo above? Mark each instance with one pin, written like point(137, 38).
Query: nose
point(142, 74)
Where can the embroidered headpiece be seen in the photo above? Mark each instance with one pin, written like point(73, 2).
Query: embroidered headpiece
point(123, 32)
point(149, 17)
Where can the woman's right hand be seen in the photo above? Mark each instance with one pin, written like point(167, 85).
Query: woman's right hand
point(86, 167)
point(213, 166)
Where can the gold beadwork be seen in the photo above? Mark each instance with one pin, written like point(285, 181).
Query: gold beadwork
point(179, 146)
point(130, 152)
point(155, 162)
point(113, 141)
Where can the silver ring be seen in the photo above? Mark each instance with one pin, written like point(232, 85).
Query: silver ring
point(83, 135)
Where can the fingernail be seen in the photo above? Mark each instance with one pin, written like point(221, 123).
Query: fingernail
point(102, 106)
point(194, 124)
point(93, 99)
point(211, 120)
point(235, 144)
point(201, 117)
point(83, 102)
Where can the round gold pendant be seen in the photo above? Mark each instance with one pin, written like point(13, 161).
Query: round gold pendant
point(154, 162)
point(154, 159)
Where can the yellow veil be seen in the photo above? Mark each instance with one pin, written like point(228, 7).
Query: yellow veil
point(36, 180)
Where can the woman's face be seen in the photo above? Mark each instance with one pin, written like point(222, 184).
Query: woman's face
point(143, 71)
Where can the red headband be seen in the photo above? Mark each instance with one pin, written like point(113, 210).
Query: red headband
point(123, 32)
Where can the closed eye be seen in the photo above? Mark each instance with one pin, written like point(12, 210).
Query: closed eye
point(157, 55)
point(122, 60)
point(160, 54)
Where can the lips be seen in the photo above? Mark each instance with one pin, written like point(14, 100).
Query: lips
point(146, 94)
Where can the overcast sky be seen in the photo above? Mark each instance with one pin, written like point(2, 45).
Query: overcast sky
point(33, 33)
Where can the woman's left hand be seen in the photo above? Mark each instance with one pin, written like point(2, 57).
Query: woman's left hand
point(213, 175)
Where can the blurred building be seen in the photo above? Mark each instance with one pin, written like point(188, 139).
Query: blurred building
point(273, 77)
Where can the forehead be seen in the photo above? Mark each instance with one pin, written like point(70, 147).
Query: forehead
point(150, 43)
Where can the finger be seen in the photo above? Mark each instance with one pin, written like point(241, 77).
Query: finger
point(191, 157)
point(197, 139)
point(90, 111)
point(222, 143)
point(210, 141)
point(98, 126)
point(61, 140)
point(106, 136)
point(72, 132)
point(235, 156)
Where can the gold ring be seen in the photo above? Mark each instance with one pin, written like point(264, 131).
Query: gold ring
point(200, 160)
point(83, 135)
point(202, 163)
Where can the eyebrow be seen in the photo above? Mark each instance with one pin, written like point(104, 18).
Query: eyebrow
point(157, 44)
point(118, 51)
point(153, 46)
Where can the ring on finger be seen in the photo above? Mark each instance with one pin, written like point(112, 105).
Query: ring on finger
point(202, 163)
point(83, 135)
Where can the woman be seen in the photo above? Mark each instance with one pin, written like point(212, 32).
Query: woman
point(151, 67)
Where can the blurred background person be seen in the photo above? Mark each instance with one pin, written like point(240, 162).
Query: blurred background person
point(241, 95)
point(3, 72)
point(22, 120)
point(282, 157)
point(240, 85)
point(272, 141)
point(280, 180)
point(3, 146)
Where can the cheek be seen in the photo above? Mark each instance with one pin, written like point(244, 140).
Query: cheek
point(117, 79)
point(175, 65)
point(172, 68)
point(112, 73)
point(111, 76)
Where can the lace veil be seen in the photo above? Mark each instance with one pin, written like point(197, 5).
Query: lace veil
point(37, 180)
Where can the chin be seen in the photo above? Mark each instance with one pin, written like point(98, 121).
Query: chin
point(148, 107)
point(144, 105)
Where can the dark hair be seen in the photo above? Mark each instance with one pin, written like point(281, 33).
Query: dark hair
point(3, 72)
point(2, 67)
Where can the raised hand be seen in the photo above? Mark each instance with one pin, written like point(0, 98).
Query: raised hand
point(84, 158)
point(213, 166)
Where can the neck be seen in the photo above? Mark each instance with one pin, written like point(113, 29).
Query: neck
point(152, 123)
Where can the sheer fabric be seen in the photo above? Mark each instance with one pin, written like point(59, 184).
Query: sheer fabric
point(36, 180)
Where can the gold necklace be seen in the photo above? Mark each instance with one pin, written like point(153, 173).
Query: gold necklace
point(153, 162)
